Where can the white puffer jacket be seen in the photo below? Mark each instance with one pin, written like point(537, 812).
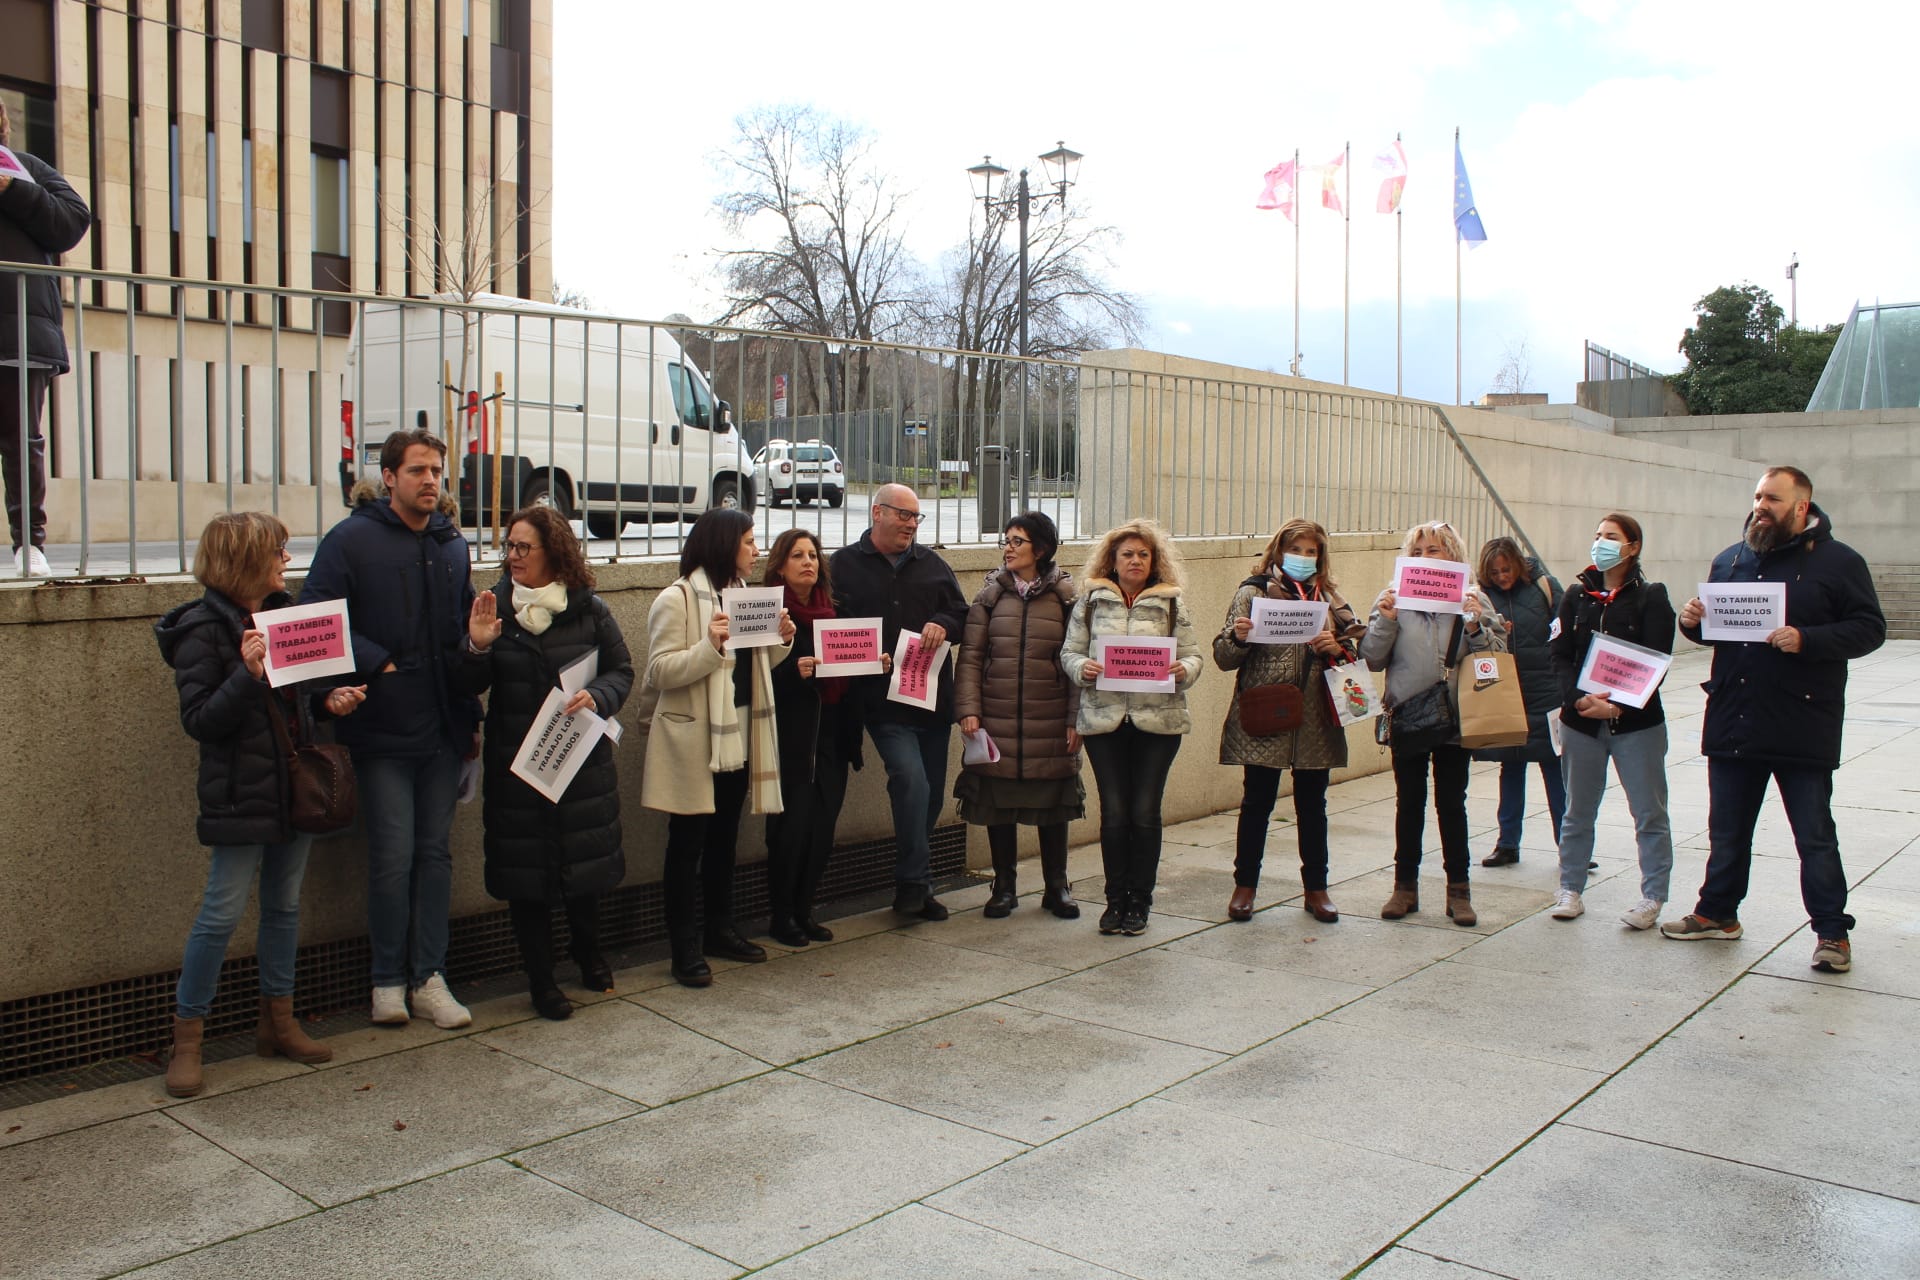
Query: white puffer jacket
point(1157, 611)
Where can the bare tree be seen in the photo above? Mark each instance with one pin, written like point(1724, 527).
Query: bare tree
point(1516, 368)
point(565, 295)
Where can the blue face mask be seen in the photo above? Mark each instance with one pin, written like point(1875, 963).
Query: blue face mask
point(1299, 568)
point(1607, 554)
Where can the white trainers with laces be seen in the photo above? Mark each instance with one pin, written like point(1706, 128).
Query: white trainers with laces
point(431, 999)
point(390, 1006)
point(1567, 905)
point(1644, 916)
point(32, 561)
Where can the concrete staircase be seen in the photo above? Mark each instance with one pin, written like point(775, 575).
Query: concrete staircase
point(1899, 588)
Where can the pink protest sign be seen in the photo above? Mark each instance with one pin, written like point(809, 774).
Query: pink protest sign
point(1134, 664)
point(847, 646)
point(1626, 672)
point(1430, 586)
point(306, 641)
point(916, 671)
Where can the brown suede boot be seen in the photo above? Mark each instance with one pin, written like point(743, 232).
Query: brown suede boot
point(1460, 905)
point(183, 1064)
point(279, 1033)
point(1404, 900)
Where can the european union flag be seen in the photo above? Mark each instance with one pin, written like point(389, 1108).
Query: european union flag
point(1466, 215)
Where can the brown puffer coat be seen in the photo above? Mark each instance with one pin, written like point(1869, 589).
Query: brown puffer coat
point(1009, 675)
point(1319, 742)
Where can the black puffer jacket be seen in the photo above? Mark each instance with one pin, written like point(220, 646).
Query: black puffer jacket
point(1528, 608)
point(538, 850)
point(39, 221)
point(1787, 708)
point(1639, 613)
point(243, 779)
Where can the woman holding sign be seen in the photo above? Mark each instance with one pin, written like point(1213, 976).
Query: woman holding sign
point(1010, 687)
point(525, 638)
point(244, 726)
point(1131, 647)
point(1293, 569)
point(1527, 598)
point(1611, 599)
point(713, 745)
point(1416, 635)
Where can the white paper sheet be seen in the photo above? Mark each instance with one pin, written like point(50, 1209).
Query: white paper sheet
point(1286, 621)
point(753, 616)
point(916, 671)
point(847, 646)
point(1628, 672)
point(1749, 611)
point(556, 746)
point(1125, 660)
point(1430, 586)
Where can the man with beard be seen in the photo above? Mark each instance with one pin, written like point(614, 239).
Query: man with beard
point(1775, 707)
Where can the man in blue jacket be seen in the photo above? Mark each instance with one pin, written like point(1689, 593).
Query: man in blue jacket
point(1775, 707)
point(402, 567)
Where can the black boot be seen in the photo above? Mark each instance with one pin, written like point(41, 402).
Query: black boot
point(725, 941)
point(1115, 915)
point(787, 933)
point(1053, 870)
point(1003, 841)
point(690, 967)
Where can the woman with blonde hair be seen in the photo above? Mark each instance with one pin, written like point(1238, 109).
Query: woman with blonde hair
point(245, 728)
point(1133, 589)
point(1294, 566)
point(1417, 650)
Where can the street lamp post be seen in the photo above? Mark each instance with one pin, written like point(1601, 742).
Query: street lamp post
point(1063, 167)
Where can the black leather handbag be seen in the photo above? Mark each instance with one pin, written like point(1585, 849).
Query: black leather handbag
point(1428, 719)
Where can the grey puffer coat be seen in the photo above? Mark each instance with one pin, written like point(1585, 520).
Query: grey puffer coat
point(1010, 676)
point(1319, 742)
point(1531, 608)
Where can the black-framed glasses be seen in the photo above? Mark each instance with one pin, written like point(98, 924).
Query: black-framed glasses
point(520, 548)
point(901, 513)
point(1012, 540)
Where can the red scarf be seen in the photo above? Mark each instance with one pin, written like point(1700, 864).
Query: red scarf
point(805, 614)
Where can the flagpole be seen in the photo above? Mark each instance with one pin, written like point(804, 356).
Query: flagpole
point(1397, 226)
point(1456, 285)
point(1346, 270)
point(1293, 356)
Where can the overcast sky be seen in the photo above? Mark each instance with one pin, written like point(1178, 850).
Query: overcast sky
point(1626, 157)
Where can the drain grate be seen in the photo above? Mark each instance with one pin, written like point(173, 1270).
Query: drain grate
point(63, 1031)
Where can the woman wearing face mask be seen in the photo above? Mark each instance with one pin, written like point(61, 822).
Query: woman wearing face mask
point(1295, 566)
point(1613, 598)
point(1009, 685)
point(1412, 648)
point(1525, 595)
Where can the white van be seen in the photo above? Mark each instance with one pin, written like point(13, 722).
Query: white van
point(597, 419)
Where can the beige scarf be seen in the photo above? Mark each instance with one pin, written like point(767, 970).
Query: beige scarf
point(534, 607)
point(758, 749)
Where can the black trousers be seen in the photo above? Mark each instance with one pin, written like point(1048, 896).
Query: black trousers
point(700, 857)
point(1130, 768)
point(1257, 795)
point(800, 839)
point(533, 930)
point(1449, 765)
point(32, 528)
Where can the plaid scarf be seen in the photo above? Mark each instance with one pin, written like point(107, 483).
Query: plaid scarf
point(758, 748)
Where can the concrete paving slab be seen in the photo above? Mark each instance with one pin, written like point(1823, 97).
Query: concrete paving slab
point(761, 1168)
point(1356, 949)
point(1495, 903)
point(368, 1041)
point(1021, 1074)
point(1192, 999)
point(815, 1002)
point(1733, 1083)
point(1399, 1263)
point(1225, 1197)
point(397, 1118)
point(918, 1243)
point(1886, 935)
point(1563, 1208)
point(1448, 1105)
point(88, 1107)
point(1902, 872)
point(1186, 890)
point(628, 1050)
point(489, 1221)
point(1039, 937)
point(100, 1200)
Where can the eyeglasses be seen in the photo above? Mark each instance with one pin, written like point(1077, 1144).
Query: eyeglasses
point(901, 513)
point(521, 548)
point(284, 553)
point(1011, 541)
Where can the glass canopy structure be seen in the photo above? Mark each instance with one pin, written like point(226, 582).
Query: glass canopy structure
point(1875, 362)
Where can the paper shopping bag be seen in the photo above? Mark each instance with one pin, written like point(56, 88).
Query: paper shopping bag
point(1492, 711)
point(1350, 685)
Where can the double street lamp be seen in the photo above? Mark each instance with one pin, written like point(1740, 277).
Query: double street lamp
point(989, 187)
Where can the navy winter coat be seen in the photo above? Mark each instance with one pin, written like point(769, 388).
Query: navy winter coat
point(1528, 608)
point(39, 221)
point(921, 590)
point(537, 850)
point(408, 595)
point(1639, 613)
point(1787, 708)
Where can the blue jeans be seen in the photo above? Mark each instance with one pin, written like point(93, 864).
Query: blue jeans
point(1640, 761)
point(1513, 799)
point(1735, 791)
point(229, 875)
point(916, 762)
point(408, 804)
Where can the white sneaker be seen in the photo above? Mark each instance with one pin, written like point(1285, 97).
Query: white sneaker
point(390, 1006)
point(1567, 905)
point(431, 999)
point(1644, 916)
point(32, 561)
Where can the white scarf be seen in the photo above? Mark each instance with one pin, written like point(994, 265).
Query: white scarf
point(534, 607)
point(758, 749)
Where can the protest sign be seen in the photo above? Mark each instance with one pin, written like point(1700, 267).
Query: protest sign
point(1628, 672)
point(847, 646)
point(1749, 611)
point(10, 167)
point(1134, 664)
point(753, 616)
point(1430, 586)
point(556, 746)
point(916, 671)
point(1286, 621)
point(306, 640)
point(1354, 697)
point(580, 673)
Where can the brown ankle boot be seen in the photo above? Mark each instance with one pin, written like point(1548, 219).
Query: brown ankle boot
point(279, 1033)
point(183, 1064)
point(1404, 900)
point(1460, 906)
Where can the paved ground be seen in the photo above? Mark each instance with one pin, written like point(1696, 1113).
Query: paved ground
point(1527, 1098)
